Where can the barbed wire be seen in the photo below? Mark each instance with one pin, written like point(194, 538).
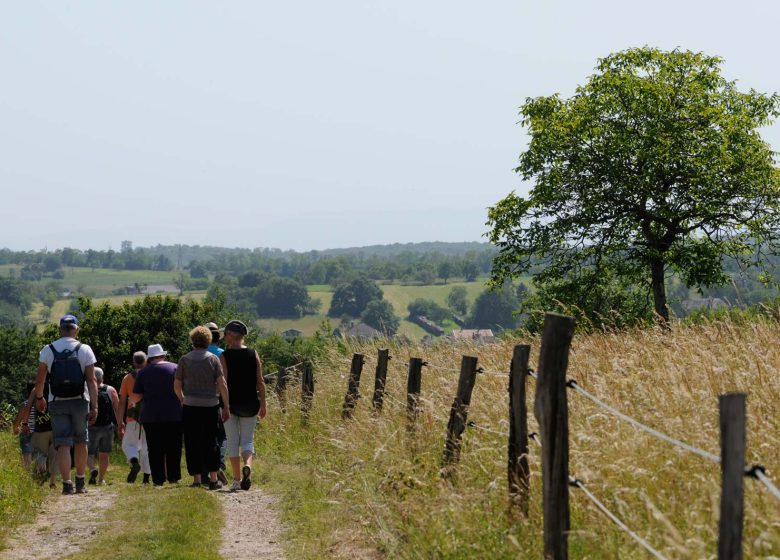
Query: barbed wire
point(571, 383)
point(472, 424)
point(426, 364)
point(759, 473)
point(579, 484)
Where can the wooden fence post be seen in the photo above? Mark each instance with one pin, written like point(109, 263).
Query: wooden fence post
point(732, 467)
point(280, 387)
point(350, 400)
point(307, 389)
point(413, 384)
point(551, 410)
point(381, 378)
point(459, 414)
point(518, 471)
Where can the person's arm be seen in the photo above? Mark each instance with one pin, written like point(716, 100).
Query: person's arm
point(40, 379)
point(260, 385)
point(89, 373)
point(123, 397)
point(115, 405)
point(223, 363)
point(177, 388)
point(223, 392)
point(23, 414)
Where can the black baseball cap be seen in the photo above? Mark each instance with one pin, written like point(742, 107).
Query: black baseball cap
point(236, 326)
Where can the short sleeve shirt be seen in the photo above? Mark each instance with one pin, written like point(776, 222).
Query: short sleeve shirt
point(86, 359)
point(198, 372)
point(160, 403)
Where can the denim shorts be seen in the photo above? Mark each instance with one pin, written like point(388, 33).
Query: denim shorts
point(25, 443)
point(101, 439)
point(240, 432)
point(69, 421)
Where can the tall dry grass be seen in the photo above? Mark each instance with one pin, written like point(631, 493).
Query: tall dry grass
point(366, 488)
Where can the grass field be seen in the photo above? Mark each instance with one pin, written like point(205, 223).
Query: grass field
point(102, 281)
point(398, 295)
point(372, 490)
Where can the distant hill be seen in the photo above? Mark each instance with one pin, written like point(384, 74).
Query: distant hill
point(184, 254)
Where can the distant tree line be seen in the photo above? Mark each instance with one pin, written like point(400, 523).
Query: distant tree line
point(467, 261)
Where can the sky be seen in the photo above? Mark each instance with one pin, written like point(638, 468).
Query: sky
point(305, 124)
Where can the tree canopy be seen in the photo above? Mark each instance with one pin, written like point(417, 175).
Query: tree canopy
point(655, 166)
point(380, 315)
point(351, 298)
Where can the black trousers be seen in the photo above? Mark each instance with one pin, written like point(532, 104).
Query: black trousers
point(201, 442)
point(163, 439)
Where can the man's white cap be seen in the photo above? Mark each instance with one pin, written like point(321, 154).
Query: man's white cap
point(155, 350)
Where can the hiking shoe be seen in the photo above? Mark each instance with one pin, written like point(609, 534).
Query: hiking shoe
point(216, 485)
point(80, 487)
point(246, 482)
point(221, 477)
point(67, 488)
point(93, 477)
point(236, 486)
point(135, 468)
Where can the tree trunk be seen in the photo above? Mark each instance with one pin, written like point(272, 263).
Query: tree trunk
point(659, 289)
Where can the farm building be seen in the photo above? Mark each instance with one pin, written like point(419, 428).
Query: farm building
point(428, 325)
point(480, 335)
point(704, 303)
point(361, 331)
point(291, 334)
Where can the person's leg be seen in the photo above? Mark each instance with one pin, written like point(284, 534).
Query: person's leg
point(62, 433)
point(104, 447)
point(131, 440)
point(92, 449)
point(211, 422)
point(103, 467)
point(25, 444)
point(63, 462)
point(173, 451)
point(232, 446)
point(155, 439)
point(193, 442)
point(247, 438)
point(40, 451)
point(51, 460)
point(246, 442)
point(79, 416)
point(143, 453)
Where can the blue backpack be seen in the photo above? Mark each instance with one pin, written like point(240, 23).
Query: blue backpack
point(66, 378)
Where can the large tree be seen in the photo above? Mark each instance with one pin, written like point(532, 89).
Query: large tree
point(654, 166)
point(351, 298)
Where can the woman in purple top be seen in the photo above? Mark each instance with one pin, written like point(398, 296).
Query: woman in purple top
point(160, 415)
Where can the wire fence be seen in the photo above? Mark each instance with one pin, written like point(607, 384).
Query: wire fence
point(757, 472)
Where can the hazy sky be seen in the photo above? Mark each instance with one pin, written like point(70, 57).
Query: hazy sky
point(304, 125)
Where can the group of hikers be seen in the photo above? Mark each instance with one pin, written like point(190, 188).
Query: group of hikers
point(210, 401)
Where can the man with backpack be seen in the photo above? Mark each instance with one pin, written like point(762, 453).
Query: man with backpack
point(132, 433)
point(101, 433)
point(70, 367)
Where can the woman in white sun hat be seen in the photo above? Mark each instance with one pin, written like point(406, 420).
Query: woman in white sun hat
point(160, 415)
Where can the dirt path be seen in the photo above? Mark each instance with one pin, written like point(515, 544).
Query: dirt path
point(252, 528)
point(64, 524)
